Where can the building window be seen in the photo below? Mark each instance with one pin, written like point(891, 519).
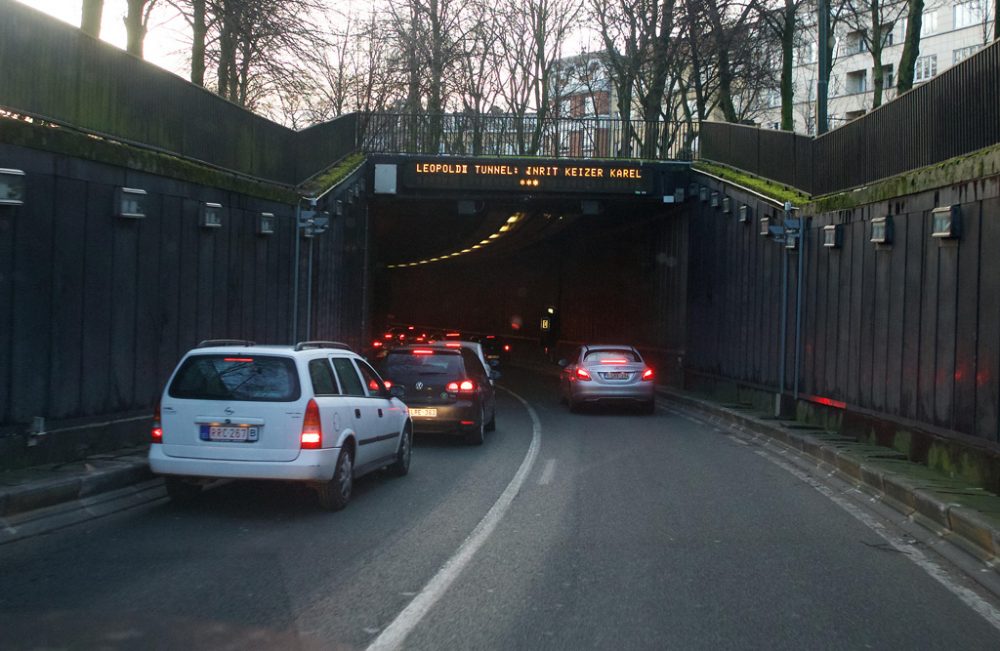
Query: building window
point(857, 82)
point(856, 43)
point(773, 98)
point(888, 76)
point(929, 23)
point(925, 67)
point(963, 53)
point(853, 115)
point(888, 36)
point(967, 14)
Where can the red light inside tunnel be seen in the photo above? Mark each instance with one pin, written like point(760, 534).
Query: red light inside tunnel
point(647, 374)
point(451, 344)
point(387, 383)
point(423, 351)
point(615, 360)
point(506, 348)
point(582, 374)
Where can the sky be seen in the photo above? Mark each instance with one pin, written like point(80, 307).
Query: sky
point(164, 43)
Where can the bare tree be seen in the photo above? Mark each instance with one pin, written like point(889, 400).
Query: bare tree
point(90, 18)
point(911, 46)
point(136, 25)
point(873, 22)
point(782, 23)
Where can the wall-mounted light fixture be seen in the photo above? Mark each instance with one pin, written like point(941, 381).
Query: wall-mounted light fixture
point(11, 187)
point(744, 214)
point(765, 227)
point(715, 200)
point(130, 203)
point(338, 207)
point(265, 223)
point(678, 195)
point(703, 193)
point(832, 236)
point(727, 205)
point(356, 190)
point(882, 231)
point(211, 215)
point(693, 190)
point(946, 222)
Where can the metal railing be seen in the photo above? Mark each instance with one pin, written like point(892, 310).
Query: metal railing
point(955, 113)
point(463, 134)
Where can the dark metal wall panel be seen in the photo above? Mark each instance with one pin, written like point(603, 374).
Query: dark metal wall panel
point(947, 333)
point(967, 317)
point(69, 265)
point(855, 243)
point(928, 376)
point(895, 314)
point(881, 299)
point(845, 323)
point(911, 232)
point(988, 327)
point(166, 325)
point(98, 299)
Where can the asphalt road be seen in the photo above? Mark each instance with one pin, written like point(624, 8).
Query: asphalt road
point(625, 532)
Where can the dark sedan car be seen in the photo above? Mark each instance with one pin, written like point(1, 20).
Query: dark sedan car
point(446, 389)
point(606, 374)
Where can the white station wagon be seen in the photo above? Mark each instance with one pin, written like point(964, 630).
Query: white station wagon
point(315, 412)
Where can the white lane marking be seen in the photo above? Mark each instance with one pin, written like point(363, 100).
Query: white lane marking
point(395, 634)
point(736, 439)
point(547, 473)
point(927, 564)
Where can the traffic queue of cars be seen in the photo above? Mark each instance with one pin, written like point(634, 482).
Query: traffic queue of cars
point(318, 413)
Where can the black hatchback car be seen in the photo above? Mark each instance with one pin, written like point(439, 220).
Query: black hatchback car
point(446, 389)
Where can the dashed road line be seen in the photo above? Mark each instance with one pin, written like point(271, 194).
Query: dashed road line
point(547, 473)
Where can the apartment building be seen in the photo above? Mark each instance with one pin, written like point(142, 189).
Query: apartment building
point(951, 31)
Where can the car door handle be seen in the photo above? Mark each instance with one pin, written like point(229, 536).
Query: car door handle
point(357, 413)
point(380, 413)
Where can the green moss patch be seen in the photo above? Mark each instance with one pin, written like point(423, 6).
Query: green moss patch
point(332, 176)
point(776, 191)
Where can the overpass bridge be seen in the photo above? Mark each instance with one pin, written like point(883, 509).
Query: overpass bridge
point(129, 231)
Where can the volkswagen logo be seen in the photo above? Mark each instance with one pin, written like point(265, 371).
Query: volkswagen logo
point(229, 411)
point(418, 386)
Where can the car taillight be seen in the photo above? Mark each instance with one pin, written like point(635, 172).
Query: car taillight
point(453, 344)
point(647, 374)
point(312, 429)
point(582, 374)
point(422, 351)
point(156, 434)
point(387, 383)
point(506, 348)
point(465, 386)
point(615, 360)
point(376, 344)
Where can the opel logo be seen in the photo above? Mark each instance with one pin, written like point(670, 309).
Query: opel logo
point(229, 411)
point(418, 386)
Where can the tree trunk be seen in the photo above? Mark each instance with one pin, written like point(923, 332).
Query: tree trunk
point(911, 46)
point(135, 27)
point(199, 31)
point(787, 54)
point(726, 87)
point(90, 19)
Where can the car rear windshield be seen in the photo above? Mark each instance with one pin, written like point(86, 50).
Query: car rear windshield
point(611, 356)
point(237, 377)
point(406, 367)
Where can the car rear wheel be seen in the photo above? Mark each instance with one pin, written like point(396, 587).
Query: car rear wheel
point(336, 493)
point(478, 434)
point(180, 490)
point(401, 465)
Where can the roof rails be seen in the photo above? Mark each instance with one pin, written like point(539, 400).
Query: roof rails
point(225, 342)
point(303, 345)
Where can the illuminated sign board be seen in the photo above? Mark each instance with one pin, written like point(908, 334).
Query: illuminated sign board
point(527, 176)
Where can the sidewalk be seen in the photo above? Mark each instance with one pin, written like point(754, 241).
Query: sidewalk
point(45, 498)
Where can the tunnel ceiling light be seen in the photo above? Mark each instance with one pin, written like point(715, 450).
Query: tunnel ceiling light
point(505, 228)
point(494, 236)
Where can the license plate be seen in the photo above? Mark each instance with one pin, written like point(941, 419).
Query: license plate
point(229, 433)
point(426, 413)
point(617, 375)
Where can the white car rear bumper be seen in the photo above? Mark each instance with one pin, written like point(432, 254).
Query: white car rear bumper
point(310, 465)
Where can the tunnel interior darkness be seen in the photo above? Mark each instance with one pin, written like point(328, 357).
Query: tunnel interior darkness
point(615, 276)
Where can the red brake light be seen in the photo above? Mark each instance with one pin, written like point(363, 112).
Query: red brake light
point(157, 432)
point(312, 428)
point(582, 374)
point(453, 334)
point(453, 344)
point(615, 360)
point(376, 344)
point(491, 336)
point(237, 359)
point(387, 335)
point(423, 351)
point(466, 386)
point(452, 387)
point(647, 374)
point(506, 348)
point(387, 383)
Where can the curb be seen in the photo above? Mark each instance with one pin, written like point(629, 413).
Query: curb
point(967, 527)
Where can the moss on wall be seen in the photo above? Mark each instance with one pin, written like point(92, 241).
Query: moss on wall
point(776, 191)
point(331, 177)
point(78, 145)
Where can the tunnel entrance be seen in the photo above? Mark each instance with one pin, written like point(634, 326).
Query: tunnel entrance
point(478, 246)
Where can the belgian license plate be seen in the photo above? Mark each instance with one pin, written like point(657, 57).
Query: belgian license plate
point(617, 375)
point(229, 433)
point(426, 413)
